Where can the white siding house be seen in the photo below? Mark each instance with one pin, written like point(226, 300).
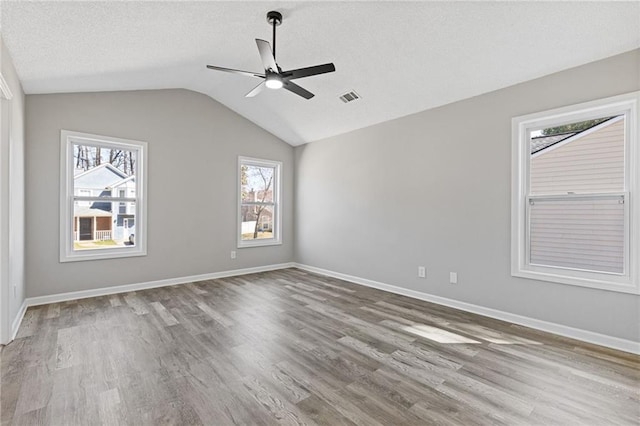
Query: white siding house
point(124, 212)
point(600, 147)
point(585, 233)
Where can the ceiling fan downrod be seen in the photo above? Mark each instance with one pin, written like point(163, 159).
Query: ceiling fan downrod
point(274, 18)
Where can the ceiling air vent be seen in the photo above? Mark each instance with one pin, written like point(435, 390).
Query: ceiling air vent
point(349, 97)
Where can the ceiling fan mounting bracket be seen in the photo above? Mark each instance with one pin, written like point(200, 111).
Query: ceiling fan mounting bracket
point(274, 17)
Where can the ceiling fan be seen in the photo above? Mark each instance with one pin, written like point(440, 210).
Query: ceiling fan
point(273, 76)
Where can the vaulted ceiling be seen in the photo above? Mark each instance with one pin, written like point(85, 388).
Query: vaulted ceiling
point(400, 57)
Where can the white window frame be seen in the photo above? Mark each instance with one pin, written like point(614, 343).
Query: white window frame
point(627, 282)
point(277, 210)
point(67, 197)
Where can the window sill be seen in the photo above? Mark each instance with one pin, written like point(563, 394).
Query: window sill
point(263, 243)
point(103, 254)
point(619, 286)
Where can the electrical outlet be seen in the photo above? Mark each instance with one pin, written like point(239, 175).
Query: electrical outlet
point(453, 277)
point(233, 254)
point(422, 272)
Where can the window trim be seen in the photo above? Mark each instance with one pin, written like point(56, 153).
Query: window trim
point(67, 253)
point(627, 104)
point(277, 209)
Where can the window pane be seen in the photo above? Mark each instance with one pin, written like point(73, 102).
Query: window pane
point(257, 183)
point(100, 226)
point(581, 157)
point(92, 192)
point(103, 172)
point(122, 163)
point(578, 234)
point(257, 222)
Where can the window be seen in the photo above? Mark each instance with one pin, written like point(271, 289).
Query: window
point(101, 216)
point(575, 195)
point(259, 209)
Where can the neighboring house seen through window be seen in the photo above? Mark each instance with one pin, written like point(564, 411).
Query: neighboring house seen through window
point(101, 215)
point(259, 209)
point(575, 200)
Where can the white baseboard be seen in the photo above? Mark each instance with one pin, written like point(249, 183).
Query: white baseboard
point(550, 327)
point(559, 329)
point(15, 325)
point(83, 294)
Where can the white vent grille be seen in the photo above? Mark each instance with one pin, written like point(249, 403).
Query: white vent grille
point(349, 97)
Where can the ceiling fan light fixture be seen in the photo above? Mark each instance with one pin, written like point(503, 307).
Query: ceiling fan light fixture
point(274, 81)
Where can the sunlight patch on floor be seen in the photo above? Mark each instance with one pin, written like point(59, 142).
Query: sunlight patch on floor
point(437, 334)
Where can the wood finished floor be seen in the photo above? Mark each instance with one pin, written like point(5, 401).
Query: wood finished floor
point(290, 347)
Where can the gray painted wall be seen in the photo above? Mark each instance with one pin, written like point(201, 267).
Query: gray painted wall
point(12, 191)
point(194, 143)
point(433, 189)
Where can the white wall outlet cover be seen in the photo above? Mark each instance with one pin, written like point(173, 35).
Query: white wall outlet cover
point(453, 277)
point(422, 273)
point(233, 254)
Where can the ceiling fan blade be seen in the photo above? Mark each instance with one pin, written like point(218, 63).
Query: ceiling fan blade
point(266, 54)
point(292, 87)
point(247, 73)
point(255, 90)
point(308, 71)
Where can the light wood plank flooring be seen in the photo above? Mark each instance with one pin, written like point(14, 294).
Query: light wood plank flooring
point(290, 347)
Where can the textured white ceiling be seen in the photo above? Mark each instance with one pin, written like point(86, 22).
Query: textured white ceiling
point(401, 57)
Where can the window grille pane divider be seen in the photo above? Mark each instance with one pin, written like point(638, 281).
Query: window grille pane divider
point(568, 197)
point(105, 199)
point(255, 203)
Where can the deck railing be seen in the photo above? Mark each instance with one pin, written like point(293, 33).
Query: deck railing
point(103, 235)
point(100, 236)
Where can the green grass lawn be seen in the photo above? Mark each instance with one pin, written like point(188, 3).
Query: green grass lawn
point(80, 245)
point(249, 236)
